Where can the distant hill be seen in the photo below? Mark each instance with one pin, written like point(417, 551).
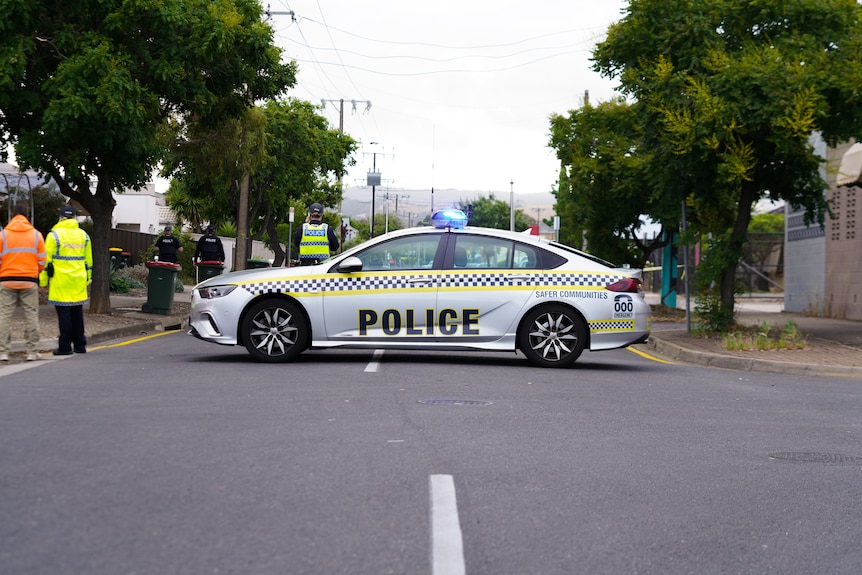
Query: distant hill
point(414, 205)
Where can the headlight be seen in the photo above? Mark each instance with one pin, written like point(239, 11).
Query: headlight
point(212, 292)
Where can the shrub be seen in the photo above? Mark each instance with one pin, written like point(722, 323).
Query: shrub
point(124, 280)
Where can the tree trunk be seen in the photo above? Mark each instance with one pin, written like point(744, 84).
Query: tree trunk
point(101, 208)
point(735, 246)
point(274, 243)
point(241, 253)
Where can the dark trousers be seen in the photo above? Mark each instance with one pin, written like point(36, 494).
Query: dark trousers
point(71, 320)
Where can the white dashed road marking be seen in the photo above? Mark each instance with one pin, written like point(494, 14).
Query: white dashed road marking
point(447, 547)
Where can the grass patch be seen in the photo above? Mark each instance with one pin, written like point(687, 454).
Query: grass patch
point(762, 338)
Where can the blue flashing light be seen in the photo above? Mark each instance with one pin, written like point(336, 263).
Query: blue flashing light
point(450, 218)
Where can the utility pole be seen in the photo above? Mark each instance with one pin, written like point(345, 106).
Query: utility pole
point(512, 205)
point(373, 179)
point(340, 104)
point(269, 14)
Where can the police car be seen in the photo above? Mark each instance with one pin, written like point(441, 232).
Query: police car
point(448, 286)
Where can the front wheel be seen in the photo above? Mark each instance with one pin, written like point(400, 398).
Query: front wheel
point(274, 331)
point(553, 336)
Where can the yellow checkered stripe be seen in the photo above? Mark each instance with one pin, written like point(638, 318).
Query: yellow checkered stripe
point(603, 325)
point(369, 282)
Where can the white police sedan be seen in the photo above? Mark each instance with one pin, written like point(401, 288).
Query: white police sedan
point(448, 286)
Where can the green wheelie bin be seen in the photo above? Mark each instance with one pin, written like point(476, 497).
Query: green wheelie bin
point(207, 269)
point(160, 288)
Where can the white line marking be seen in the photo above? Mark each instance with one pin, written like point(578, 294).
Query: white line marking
point(447, 547)
point(374, 364)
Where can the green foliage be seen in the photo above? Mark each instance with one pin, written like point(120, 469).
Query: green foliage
point(725, 96)
point(713, 316)
point(489, 212)
point(604, 189)
point(87, 90)
point(766, 224)
point(362, 227)
point(762, 338)
point(227, 230)
point(125, 279)
point(294, 158)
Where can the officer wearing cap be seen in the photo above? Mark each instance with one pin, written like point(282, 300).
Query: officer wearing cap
point(68, 271)
point(167, 246)
point(316, 239)
point(210, 248)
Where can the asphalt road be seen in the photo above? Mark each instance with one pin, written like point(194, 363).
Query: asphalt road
point(171, 455)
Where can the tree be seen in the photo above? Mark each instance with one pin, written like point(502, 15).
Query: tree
point(605, 190)
point(728, 94)
point(87, 89)
point(289, 151)
point(304, 157)
point(363, 232)
point(489, 212)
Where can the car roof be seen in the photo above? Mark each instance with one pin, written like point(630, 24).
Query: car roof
point(507, 234)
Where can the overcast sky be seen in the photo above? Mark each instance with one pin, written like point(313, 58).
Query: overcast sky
point(460, 91)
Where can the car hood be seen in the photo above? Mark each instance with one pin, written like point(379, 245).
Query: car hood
point(258, 274)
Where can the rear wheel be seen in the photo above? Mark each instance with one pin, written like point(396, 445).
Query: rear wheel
point(553, 336)
point(274, 331)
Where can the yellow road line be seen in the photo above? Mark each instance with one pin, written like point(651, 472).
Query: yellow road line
point(648, 356)
point(137, 339)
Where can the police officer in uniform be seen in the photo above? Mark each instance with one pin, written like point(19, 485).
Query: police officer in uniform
point(210, 248)
point(67, 274)
point(167, 246)
point(316, 240)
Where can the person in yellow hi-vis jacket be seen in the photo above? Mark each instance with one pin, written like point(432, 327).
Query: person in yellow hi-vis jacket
point(316, 240)
point(67, 275)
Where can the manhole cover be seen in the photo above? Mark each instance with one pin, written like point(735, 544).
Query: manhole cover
point(812, 457)
point(455, 402)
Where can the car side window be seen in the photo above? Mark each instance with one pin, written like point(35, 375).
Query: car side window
point(408, 253)
point(482, 252)
point(525, 258)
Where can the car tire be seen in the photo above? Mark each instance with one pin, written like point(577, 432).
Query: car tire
point(274, 331)
point(552, 336)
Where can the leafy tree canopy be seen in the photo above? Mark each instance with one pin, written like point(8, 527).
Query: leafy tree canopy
point(606, 187)
point(728, 94)
point(766, 224)
point(489, 212)
point(292, 155)
point(87, 89)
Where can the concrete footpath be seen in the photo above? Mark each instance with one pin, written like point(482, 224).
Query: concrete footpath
point(833, 346)
point(126, 320)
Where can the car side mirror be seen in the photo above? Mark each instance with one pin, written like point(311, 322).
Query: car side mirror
point(350, 265)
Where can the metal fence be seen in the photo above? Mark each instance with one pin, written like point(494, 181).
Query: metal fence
point(761, 269)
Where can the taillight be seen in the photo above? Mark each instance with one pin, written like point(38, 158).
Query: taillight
point(625, 285)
